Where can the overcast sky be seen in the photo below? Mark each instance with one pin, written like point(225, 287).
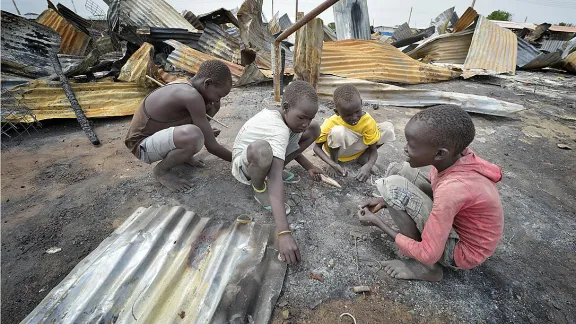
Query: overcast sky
point(382, 13)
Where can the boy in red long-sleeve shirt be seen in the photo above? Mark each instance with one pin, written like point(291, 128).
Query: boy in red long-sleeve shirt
point(452, 219)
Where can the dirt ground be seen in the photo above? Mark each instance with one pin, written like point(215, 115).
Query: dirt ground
point(60, 191)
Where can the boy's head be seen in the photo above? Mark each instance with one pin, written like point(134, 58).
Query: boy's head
point(214, 80)
point(436, 134)
point(348, 104)
point(299, 105)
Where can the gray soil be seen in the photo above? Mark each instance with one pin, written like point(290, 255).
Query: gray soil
point(60, 191)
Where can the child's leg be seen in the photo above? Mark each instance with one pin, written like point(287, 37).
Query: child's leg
point(187, 140)
point(416, 176)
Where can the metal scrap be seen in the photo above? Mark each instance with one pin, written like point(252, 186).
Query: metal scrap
point(139, 65)
point(441, 22)
point(403, 31)
point(218, 43)
point(192, 19)
point(220, 17)
point(467, 18)
point(446, 48)
point(157, 35)
point(385, 94)
point(163, 264)
point(352, 19)
point(73, 41)
point(152, 13)
point(378, 62)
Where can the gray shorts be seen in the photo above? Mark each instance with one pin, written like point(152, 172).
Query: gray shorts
point(156, 146)
point(408, 189)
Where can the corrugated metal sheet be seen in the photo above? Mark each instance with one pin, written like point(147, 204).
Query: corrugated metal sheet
point(73, 41)
point(154, 13)
point(390, 95)
point(569, 63)
point(139, 65)
point(74, 19)
point(526, 52)
point(493, 50)
point(169, 265)
point(352, 19)
point(403, 31)
point(158, 35)
point(467, 18)
point(254, 34)
point(26, 46)
point(216, 42)
point(192, 19)
point(543, 60)
point(551, 45)
point(273, 25)
point(446, 48)
point(98, 99)
point(514, 25)
point(375, 61)
point(284, 22)
point(188, 59)
point(441, 22)
point(220, 17)
point(329, 35)
point(563, 29)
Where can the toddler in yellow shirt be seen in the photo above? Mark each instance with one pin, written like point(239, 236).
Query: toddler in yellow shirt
point(351, 134)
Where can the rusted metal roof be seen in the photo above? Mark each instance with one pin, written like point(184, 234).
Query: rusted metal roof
point(403, 31)
point(169, 265)
point(390, 95)
point(563, 29)
point(220, 17)
point(216, 42)
point(188, 59)
point(154, 13)
point(73, 41)
point(47, 100)
point(26, 46)
point(191, 18)
point(569, 62)
point(274, 25)
point(254, 34)
point(445, 48)
point(139, 65)
point(375, 61)
point(467, 18)
point(493, 50)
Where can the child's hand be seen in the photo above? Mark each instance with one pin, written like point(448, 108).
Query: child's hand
point(289, 252)
point(315, 173)
point(341, 170)
point(366, 217)
point(216, 131)
point(363, 174)
point(374, 204)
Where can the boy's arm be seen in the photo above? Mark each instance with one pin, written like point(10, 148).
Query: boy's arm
point(324, 157)
point(366, 168)
point(197, 109)
point(313, 171)
point(286, 243)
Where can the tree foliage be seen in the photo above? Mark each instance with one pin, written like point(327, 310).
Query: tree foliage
point(566, 24)
point(500, 15)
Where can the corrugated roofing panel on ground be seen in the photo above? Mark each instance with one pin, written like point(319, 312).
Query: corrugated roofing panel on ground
point(375, 61)
point(569, 62)
point(216, 42)
point(154, 13)
point(467, 18)
point(403, 31)
point(98, 99)
point(26, 46)
point(445, 48)
point(493, 50)
point(552, 45)
point(543, 60)
point(188, 59)
point(526, 52)
point(169, 265)
point(74, 41)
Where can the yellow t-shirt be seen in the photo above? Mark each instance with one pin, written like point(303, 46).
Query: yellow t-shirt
point(366, 126)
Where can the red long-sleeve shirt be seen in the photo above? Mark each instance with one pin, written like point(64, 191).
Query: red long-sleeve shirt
point(466, 198)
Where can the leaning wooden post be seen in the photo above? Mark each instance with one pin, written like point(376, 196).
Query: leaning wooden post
point(308, 51)
point(84, 123)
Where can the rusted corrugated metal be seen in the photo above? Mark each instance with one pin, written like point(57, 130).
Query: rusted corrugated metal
point(188, 59)
point(154, 13)
point(569, 62)
point(563, 29)
point(73, 41)
point(98, 99)
point(140, 65)
point(254, 34)
point(273, 25)
point(390, 95)
point(192, 19)
point(543, 60)
point(493, 50)
point(467, 18)
point(169, 265)
point(375, 61)
point(445, 48)
point(216, 42)
point(26, 46)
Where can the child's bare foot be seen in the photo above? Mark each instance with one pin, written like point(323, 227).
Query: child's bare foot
point(411, 269)
point(195, 162)
point(171, 181)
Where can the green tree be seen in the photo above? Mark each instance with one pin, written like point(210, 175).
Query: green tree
point(332, 26)
point(565, 24)
point(500, 15)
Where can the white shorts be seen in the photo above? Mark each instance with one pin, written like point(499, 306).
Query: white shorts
point(156, 146)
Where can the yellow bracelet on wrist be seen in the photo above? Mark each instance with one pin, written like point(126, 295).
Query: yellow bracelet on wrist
point(284, 232)
point(260, 190)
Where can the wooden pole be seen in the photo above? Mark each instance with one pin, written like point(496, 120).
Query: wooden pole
point(296, 15)
point(276, 57)
point(272, 10)
point(16, 7)
point(410, 17)
point(80, 116)
point(473, 3)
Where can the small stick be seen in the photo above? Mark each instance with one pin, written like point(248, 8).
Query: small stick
point(161, 85)
point(361, 289)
